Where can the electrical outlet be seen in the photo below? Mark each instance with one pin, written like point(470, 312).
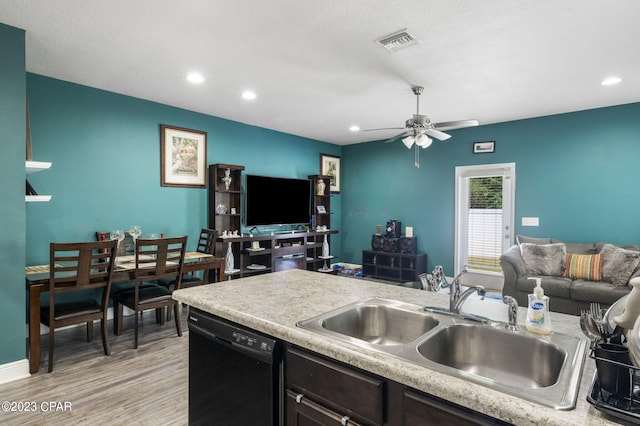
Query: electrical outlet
point(530, 221)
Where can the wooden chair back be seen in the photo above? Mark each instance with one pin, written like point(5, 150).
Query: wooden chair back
point(160, 259)
point(80, 266)
point(126, 247)
point(207, 241)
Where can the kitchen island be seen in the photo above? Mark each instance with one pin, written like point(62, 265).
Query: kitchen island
point(274, 303)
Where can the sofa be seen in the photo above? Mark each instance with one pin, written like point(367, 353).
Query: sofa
point(573, 275)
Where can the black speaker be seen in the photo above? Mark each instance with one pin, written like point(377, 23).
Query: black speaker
point(408, 245)
point(376, 242)
point(390, 245)
point(393, 228)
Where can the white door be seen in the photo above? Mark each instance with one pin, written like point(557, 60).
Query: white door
point(484, 221)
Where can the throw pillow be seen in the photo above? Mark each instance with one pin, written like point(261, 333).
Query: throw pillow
point(618, 264)
point(544, 259)
point(584, 267)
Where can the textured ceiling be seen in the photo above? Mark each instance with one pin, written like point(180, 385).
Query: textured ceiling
point(315, 65)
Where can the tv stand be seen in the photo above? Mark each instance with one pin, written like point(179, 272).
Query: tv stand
point(259, 254)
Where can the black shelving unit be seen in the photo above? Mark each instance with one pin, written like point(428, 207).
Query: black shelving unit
point(397, 267)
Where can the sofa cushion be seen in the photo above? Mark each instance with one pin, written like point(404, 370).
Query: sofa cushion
point(544, 259)
point(584, 266)
point(532, 240)
point(579, 248)
point(590, 291)
point(618, 264)
point(552, 286)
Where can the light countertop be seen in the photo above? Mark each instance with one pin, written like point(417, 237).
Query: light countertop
point(273, 304)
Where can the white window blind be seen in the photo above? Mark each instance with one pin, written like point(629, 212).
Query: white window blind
point(485, 223)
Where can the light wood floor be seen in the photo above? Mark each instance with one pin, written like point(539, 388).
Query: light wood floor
point(144, 386)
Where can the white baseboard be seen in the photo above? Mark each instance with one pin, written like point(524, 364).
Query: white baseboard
point(14, 370)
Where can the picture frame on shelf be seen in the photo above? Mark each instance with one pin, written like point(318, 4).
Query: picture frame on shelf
point(183, 157)
point(321, 209)
point(487, 147)
point(330, 166)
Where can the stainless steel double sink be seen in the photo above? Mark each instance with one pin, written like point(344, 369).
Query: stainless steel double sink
point(542, 369)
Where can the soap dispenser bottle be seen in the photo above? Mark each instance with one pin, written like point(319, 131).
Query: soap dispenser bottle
point(538, 320)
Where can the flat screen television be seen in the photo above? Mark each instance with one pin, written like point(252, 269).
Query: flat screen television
point(277, 201)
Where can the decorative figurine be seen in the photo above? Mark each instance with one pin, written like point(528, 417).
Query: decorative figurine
point(227, 179)
point(320, 187)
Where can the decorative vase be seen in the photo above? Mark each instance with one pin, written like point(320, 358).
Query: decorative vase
point(325, 247)
point(320, 187)
point(228, 259)
point(227, 179)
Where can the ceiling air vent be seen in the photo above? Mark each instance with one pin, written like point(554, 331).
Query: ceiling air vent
point(398, 40)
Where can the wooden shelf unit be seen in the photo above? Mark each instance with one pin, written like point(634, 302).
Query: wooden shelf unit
point(277, 252)
point(223, 200)
point(396, 267)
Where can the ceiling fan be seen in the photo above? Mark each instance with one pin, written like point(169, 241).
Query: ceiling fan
point(419, 128)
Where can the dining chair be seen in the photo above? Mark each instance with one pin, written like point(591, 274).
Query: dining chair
point(126, 247)
point(81, 268)
point(207, 245)
point(155, 259)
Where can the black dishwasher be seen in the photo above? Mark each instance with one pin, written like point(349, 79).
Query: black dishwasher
point(235, 374)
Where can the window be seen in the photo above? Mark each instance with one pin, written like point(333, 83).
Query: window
point(484, 216)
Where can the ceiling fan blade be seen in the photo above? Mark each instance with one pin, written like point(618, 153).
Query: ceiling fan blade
point(449, 125)
point(437, 134)
point(396, 137)
point(383, 128)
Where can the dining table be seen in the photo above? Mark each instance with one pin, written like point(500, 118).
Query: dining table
point(37, 282)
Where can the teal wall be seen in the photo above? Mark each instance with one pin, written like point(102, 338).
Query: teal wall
point(105, 150)
point(12, 208)
point(577, 172)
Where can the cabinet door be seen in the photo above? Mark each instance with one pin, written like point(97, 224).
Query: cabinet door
point(337, 386)
point(422, 410)
point(303, 412)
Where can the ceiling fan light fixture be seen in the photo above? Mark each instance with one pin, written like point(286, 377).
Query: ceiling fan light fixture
point(424, 141)
point(408, 141)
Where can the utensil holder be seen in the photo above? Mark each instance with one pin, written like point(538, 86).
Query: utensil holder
point(614, 368)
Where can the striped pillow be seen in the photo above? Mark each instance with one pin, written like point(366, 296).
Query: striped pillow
point(584, 267)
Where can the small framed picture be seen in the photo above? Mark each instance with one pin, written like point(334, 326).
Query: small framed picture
point(321, 209)
point(484, 147)
point(183, 157)
point(330, 166)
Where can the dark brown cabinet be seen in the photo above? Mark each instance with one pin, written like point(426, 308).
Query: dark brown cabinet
point(319, 390)
point(327, 388)
point(397, 267)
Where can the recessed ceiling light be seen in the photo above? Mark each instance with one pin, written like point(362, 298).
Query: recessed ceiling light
point(248, 94)
point(354, 128)
point(610, 81)
point(194, 77)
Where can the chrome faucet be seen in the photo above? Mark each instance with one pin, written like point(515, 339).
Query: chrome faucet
point(512, 312)
point(456, 299)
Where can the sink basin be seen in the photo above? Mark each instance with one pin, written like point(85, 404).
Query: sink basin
point(514, 359)
point(380, 324)
point(375, 322)
point(542, 369)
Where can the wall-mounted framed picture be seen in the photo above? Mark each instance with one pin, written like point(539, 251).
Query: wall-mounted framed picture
point(484, 147)
point(330, 166)
point(183, 157)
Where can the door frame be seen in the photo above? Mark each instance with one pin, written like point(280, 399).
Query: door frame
point(508, 170)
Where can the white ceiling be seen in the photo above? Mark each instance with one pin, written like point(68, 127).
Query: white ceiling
point(315, 65)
